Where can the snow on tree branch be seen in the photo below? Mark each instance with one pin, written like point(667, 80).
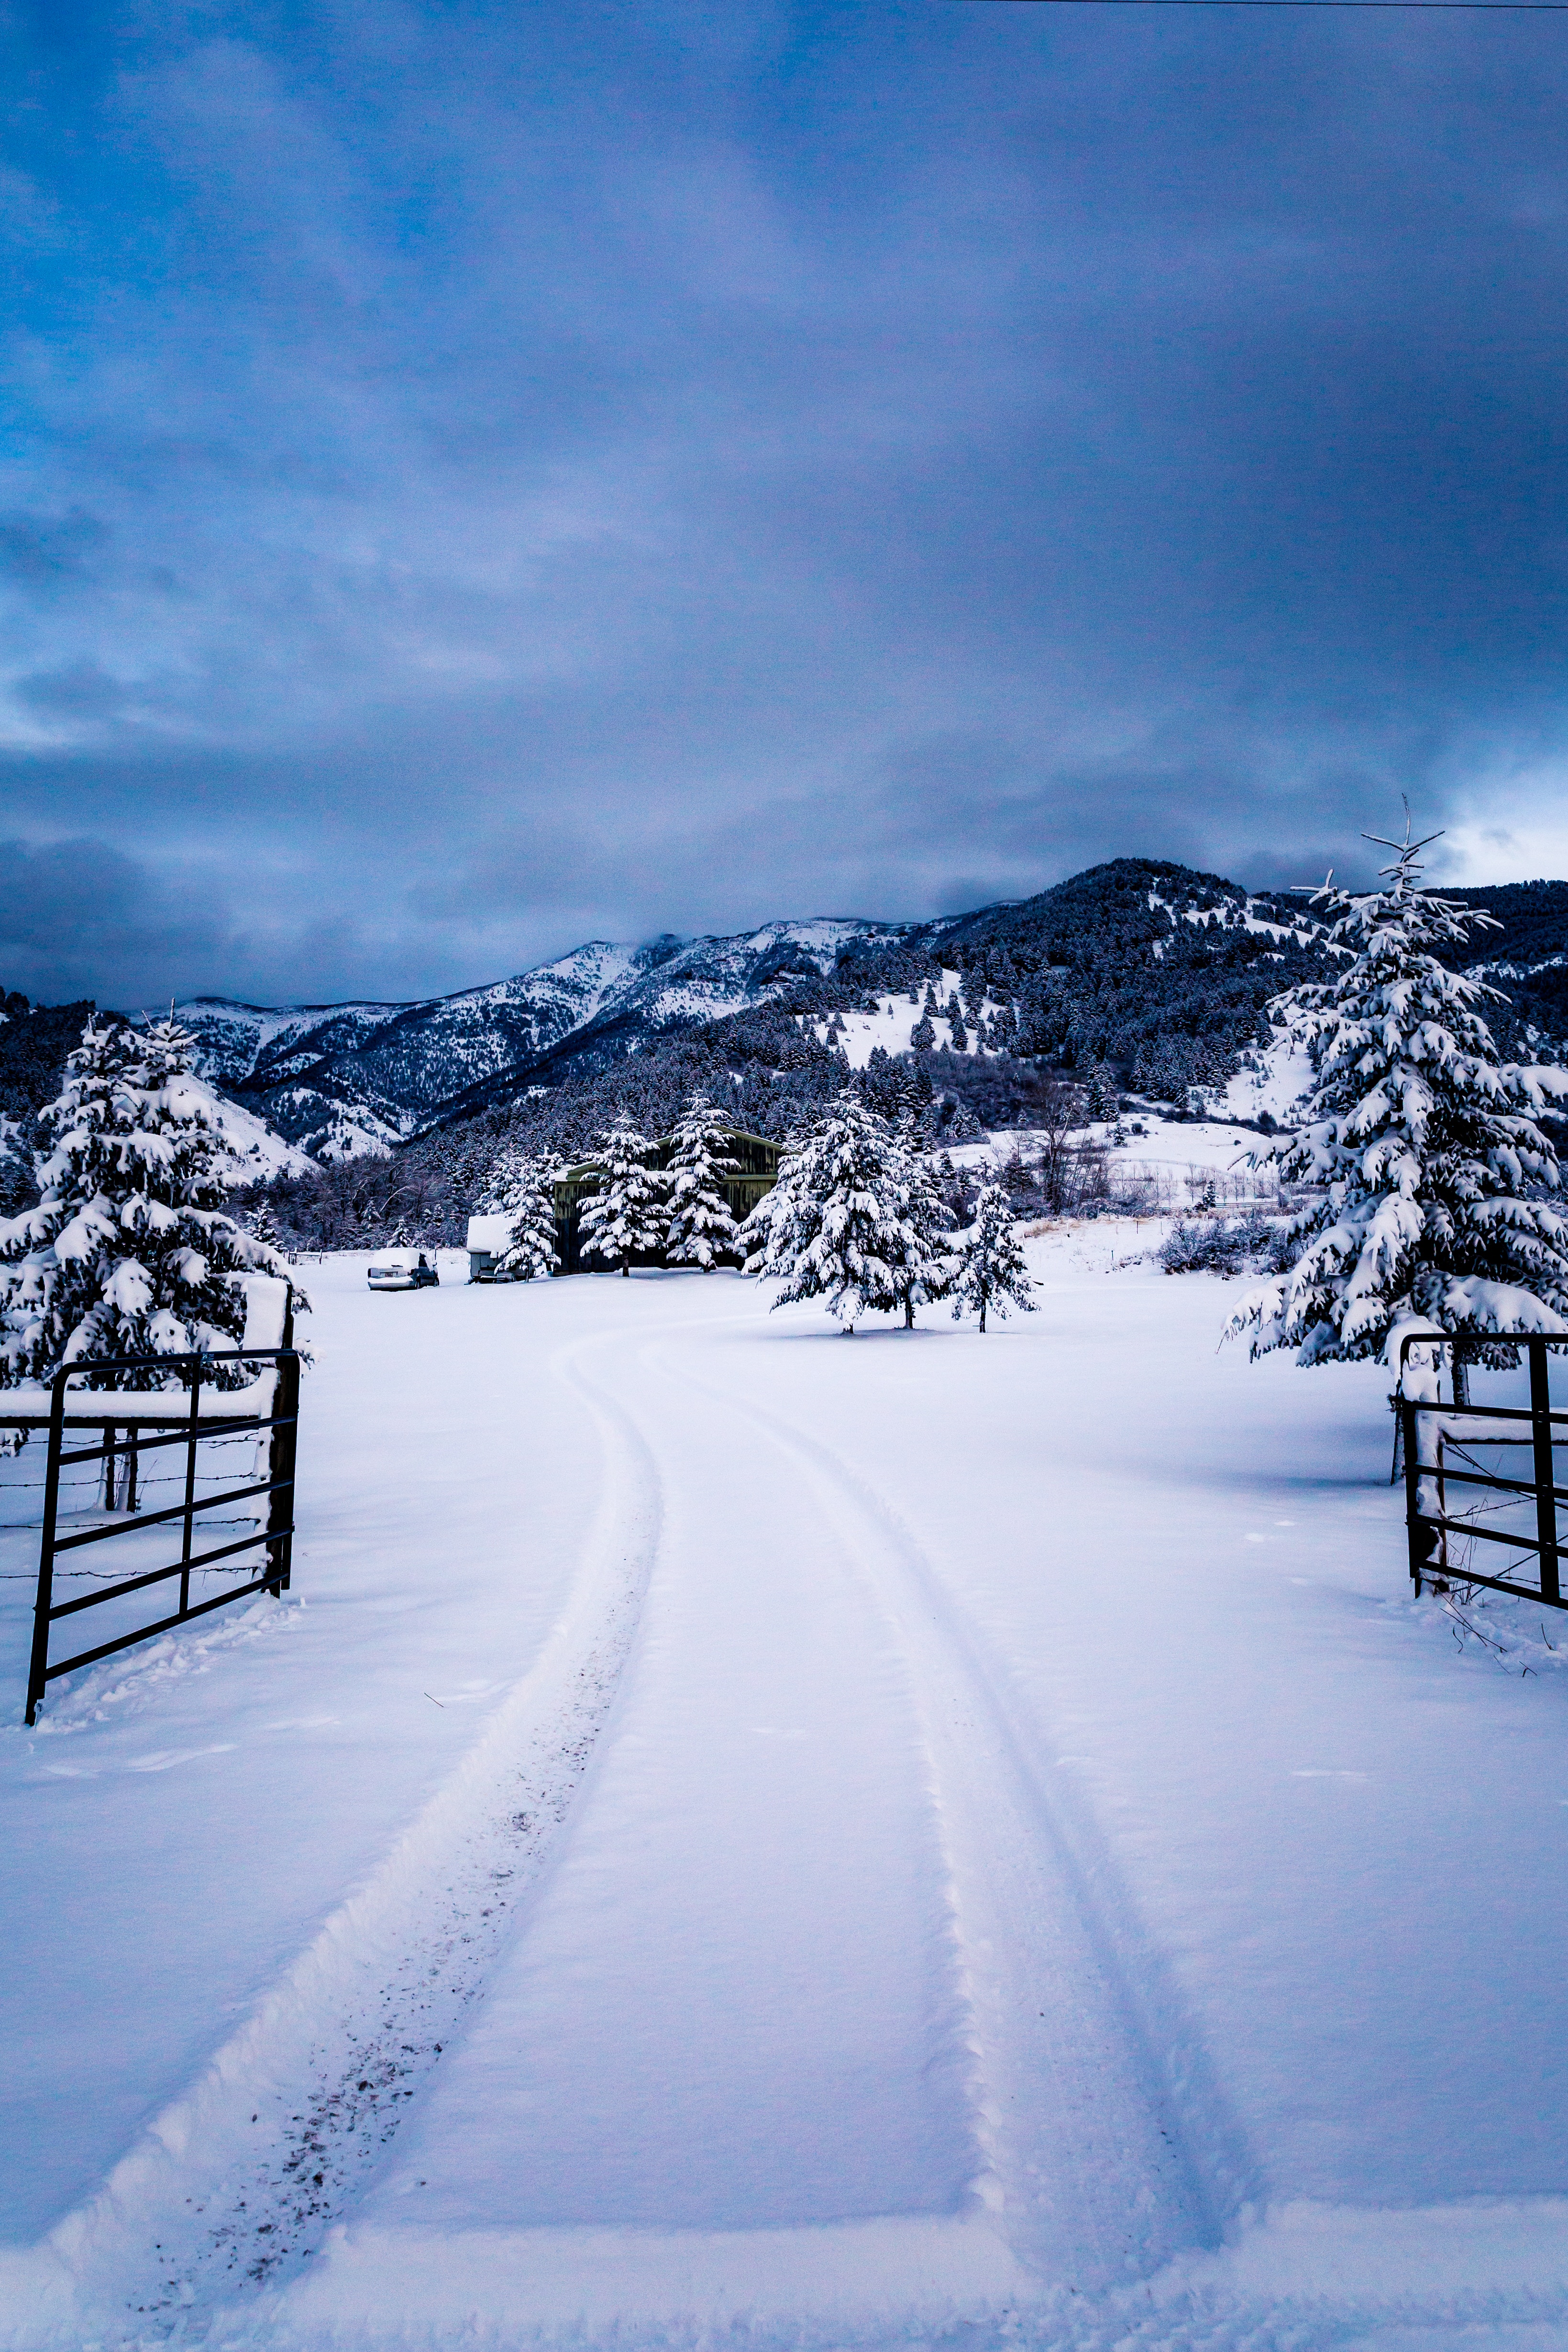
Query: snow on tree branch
point(1433, 1179)
point(129, 1251)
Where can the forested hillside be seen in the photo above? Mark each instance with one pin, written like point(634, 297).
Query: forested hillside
point(1154, 975)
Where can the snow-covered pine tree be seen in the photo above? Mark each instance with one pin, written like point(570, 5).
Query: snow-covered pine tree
point(926, 1272)
point(1101, 1098)
point(922, 1037)
point(955, 1023)
point(262, 1226)
point(1432, 1168)
point(16, 1187)
point(526, 1194)
point(129, 1251)
point(991, 1271)
point(625, 1218)
point(701, 1229)
point(836, 1225)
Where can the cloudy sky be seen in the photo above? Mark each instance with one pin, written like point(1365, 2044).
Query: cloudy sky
point(479, 475)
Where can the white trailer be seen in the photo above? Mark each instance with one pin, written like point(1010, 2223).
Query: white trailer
point(490, 1238)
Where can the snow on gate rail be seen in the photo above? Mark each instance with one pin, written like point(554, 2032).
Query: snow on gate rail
point(266, 1408)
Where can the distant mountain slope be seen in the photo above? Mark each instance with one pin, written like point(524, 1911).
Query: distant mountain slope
point(1154, 966)
point(340, 1078)
point(1527, 959)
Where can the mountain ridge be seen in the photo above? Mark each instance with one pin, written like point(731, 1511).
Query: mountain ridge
point(1135, 957)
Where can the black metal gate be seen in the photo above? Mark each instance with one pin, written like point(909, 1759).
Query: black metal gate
point(185, 1424)
point(1443, 1446)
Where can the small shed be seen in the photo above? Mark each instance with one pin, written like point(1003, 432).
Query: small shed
point(488, 1240)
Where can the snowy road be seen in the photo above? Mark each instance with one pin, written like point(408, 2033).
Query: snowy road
point(834, 1839)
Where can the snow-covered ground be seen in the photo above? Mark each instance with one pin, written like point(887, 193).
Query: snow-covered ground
point(1175, 1163)
point(742, 1837)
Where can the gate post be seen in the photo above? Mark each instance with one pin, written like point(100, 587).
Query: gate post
point(281, 1457)
point(193, 1439)
point(38, 1667)
point(1415, 1529)
point(1421, 1539)
point(1546, 1498)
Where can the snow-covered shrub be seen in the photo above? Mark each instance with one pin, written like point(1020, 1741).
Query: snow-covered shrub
point(1431, 1170)
point(625, 1219)
point(1249, 1245)
point(990, 1272)
point(129, 1251)
point(701, 1228)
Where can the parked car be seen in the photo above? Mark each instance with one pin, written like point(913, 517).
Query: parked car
point(401, 1270)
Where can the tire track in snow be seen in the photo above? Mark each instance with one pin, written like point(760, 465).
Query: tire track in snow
point(233, 2187)
point(1111, 2145)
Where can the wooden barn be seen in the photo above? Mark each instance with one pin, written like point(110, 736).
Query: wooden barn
point(757, 1158)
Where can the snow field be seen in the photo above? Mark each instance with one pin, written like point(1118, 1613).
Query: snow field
point(890, 1025)
point(1003, 1856)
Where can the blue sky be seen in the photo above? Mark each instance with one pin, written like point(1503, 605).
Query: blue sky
point(480, 477)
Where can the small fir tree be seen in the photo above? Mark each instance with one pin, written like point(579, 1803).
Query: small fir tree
point(527, 1196)
point(922, 1037)
point(991, 1272)
point(626, 1217)
point(926, 1270)
point(1101, 1092)
point(262, 1226)
point(955, 1023)
point(836, 1225)
point(1430, 1168)
point(701, 1229)
point(129, 1251)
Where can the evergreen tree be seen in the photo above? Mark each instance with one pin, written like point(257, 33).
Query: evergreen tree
point(926, 1272)
point(991, 1272)
point(262, 1226)
point(955, 1021)
point(837, 1225)
point(1102, 1091)
point(626, 1217)
point(129, 1251)
point(922, 1037)
point(1430, 1166)
point(701, 1229)
point(526, 1194)
point(17, 1190)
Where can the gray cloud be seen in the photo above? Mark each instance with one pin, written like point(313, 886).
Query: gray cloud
point(485, 479)
point(44, 552)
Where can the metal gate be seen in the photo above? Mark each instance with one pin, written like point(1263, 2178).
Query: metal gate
point(191, 1416)
point(1444, 1446)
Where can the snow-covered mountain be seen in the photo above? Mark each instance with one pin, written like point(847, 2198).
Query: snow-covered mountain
point(1126, 960)
point(337, 1079)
